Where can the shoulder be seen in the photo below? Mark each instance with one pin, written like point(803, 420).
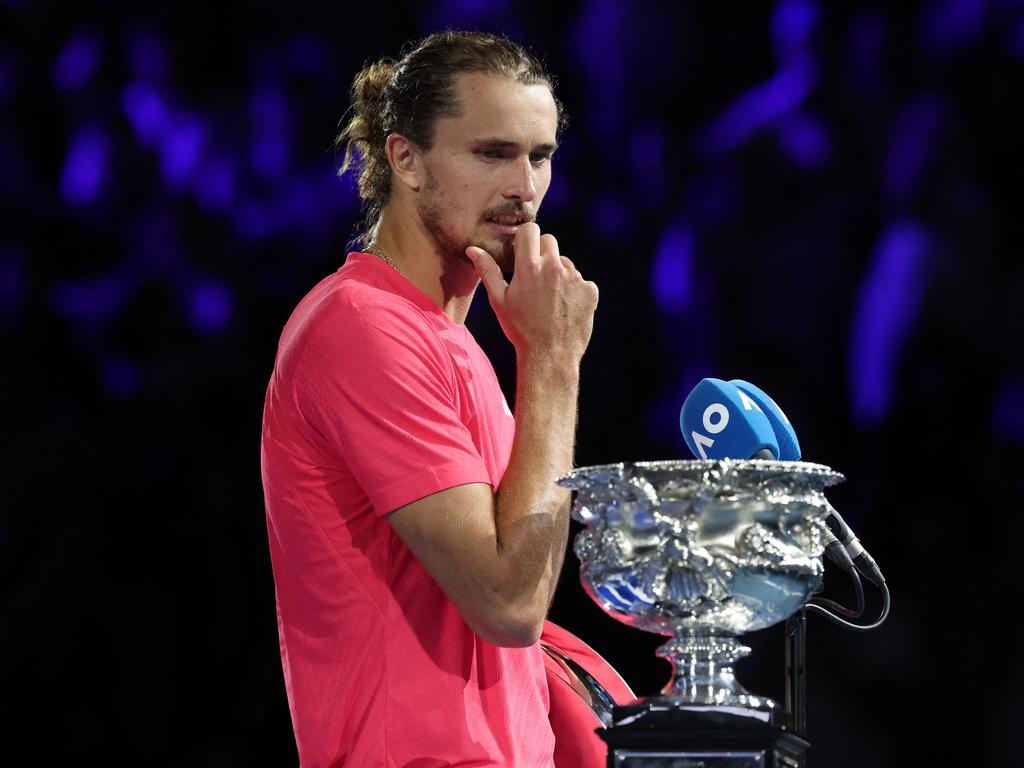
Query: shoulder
point(351, 327)
point(343, 311)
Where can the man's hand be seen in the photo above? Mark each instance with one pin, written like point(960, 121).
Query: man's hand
point(497, 555)
point(548, 307)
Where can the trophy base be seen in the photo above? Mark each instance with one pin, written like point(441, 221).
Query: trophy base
point(658, 734)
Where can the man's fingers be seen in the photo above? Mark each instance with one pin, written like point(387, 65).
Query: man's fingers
point(489, 272)
point(527, 246)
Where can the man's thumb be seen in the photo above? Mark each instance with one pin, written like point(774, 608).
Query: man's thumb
point(488, 271)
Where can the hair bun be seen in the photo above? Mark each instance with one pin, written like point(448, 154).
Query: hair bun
point(371, 82)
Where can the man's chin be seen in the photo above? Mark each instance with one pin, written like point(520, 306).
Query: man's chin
point(502, 251)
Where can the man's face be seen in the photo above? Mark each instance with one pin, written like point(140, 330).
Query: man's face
point(489, 167)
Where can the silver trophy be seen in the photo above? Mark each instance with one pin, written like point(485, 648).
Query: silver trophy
point(702, 551)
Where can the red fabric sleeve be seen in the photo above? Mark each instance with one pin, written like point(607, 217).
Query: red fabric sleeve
point(379, 387)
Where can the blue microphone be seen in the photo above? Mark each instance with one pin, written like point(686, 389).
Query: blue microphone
point(721, 421)
point(789, 446)
point(736, 420)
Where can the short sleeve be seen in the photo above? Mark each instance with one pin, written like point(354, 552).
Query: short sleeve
point(377, 384)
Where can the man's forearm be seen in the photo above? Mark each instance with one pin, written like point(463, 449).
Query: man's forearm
point(532, 512)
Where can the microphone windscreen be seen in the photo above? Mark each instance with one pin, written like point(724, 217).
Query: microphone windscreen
point(719, 421)
point(789, 446)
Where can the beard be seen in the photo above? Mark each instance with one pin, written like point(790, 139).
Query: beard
point(434, 209)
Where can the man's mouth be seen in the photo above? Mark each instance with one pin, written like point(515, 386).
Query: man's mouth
point(507, 223)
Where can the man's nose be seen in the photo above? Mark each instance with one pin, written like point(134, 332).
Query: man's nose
point(521, 183)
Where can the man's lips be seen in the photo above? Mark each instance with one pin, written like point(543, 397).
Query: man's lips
point(506, 223)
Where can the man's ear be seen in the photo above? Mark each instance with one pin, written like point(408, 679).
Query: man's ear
point(405, 159)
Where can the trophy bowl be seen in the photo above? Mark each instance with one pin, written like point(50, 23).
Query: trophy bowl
point(702, 552)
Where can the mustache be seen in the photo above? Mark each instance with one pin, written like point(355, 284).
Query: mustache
point(525, 212)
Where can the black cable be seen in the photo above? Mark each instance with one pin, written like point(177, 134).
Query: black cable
point(850, 613)
point(850, 625)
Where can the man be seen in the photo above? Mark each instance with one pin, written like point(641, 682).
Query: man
point(416, 529)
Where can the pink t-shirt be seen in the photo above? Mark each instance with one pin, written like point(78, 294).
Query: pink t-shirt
point(378, 399)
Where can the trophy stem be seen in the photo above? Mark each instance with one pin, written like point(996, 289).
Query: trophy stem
point(702, 671)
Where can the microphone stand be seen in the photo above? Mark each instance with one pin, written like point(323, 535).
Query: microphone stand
point(796, 671)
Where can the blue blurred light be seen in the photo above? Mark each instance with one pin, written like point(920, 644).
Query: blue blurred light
point(646, 152)
point(716, 197)
point(609, 215)
point(647, 146)
point(77, 63)
point(181, 149)
point(887, 307)
point(270, 149)
point(864, 50)
point(1015, 38)
point(145, 109)
point(805, 141)
point(662, 420)
point(253, 220)
point(211, 304)
point(596, 42)
point(793, 22)
point(121, 377)
point(946, 26)
point(86, 165)
point(1007, 418)
point(913, 144)
point(215, 184)
point(672, 270)
point(759, 107)
point(97, 299)
point(558, 195)
point(307, 55)
point(465, 13)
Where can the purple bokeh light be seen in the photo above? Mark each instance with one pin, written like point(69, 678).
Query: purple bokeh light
point(307, 55)
point(647, 161)
point(270, 148)
point(805, 140)
point(672, 270)
point(609, 215)
point(210, 306)
point(181, 149)
point(792, 25)
point(946, 26)
point(1007, 418)
point(596, 42)
point(215, 184)
point(886, 310)
point(121, 377)
point(78, 61)
point(1015, 38)
point(758, 108)
point(913, 143)
point(91, 300)
point(147, 112)
point(456, 14)
point(85, 168)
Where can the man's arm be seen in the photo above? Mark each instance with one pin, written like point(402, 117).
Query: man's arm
point(498, 556)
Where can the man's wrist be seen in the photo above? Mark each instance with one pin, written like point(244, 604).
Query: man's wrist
point(558, 369)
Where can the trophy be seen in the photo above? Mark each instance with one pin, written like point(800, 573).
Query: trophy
point(702, 552)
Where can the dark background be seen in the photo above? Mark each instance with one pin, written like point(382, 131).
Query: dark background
point(818, 197)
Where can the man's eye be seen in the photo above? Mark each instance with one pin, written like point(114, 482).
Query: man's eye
point(490, 154)
point(539, 159)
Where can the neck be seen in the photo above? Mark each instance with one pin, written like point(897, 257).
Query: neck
point(449, 281)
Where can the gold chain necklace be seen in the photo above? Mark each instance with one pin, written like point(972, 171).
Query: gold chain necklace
point(381, 254)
